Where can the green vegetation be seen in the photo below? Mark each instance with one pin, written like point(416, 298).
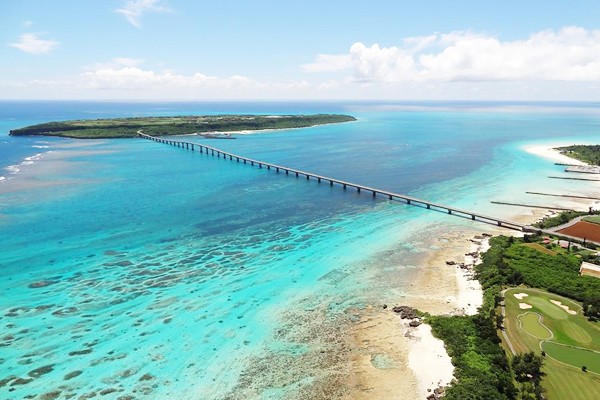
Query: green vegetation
point(482, 368)
point(568, 341)
point(586, 153)
point(528, 372)
point(593, 220)
point(558, 274)
point(177, 125)
point(574, 356)
point(531, 323)
point(560, 219)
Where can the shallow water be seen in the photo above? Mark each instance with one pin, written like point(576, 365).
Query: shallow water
point(132, 268)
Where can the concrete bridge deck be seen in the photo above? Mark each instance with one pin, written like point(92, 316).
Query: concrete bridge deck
point(360, 188)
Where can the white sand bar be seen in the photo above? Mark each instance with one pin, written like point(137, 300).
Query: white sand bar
point(429, 361)
point(550, 153)
point(563, 306)
point(520, 296)
point(525, 306)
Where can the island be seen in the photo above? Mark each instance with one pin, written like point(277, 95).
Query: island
point(175, 125)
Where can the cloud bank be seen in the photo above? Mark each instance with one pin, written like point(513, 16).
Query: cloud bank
point(571, 54)
point(32, 44)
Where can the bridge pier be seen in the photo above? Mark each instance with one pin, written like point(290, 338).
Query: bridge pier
point(359, 188)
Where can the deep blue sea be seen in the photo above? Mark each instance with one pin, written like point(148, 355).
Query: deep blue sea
point(132, 268)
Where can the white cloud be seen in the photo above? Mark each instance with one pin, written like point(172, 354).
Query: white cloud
point(135, 78)
point(570, 54)
point(328, 63)
point(134, 9)
point(30, 43)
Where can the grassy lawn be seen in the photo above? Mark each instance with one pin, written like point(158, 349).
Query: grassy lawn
point(593, 219)
point(549, 327)
point(541, 248)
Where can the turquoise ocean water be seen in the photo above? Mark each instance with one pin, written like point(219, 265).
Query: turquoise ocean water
point(131, 268)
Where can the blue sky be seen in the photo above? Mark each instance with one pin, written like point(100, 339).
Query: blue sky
point(328, 49)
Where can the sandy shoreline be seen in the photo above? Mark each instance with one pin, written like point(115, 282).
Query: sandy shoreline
point(444, 286)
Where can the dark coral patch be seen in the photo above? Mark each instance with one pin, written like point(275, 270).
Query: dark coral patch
point(146, 377)
point(65, 311)
point(80, 352)
point(4, 382)
point(21, 381)
point(36, 373)
point(41, 284)
point(72, 375)
point(51, 395)
point(106, 391)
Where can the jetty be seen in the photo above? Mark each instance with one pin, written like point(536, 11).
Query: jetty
point(212, 151)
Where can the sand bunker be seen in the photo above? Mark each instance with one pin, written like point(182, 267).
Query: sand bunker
point(521, 295)
point(525, 306)
point(564, 307)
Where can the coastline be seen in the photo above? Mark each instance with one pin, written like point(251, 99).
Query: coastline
point(445, 285)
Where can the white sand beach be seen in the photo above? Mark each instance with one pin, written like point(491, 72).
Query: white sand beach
point(549, 152)
point(420, 361)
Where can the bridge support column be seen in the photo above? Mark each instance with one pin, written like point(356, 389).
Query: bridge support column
point(390, 196)
point(330, 183)
point(287, 172)
point(307, 177)
point(428, 206)
point(358, 189)
point(259, 165)
point(407, 201)
point(277, 169)
point(344, 186)
point(374, 193)
point(499, 223)
point(449, 211)
point(473, 217)
point(319, 180)
point(269, 167)
point(296, 174)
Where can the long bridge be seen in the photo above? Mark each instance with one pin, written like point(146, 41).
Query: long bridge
point(212, 151)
